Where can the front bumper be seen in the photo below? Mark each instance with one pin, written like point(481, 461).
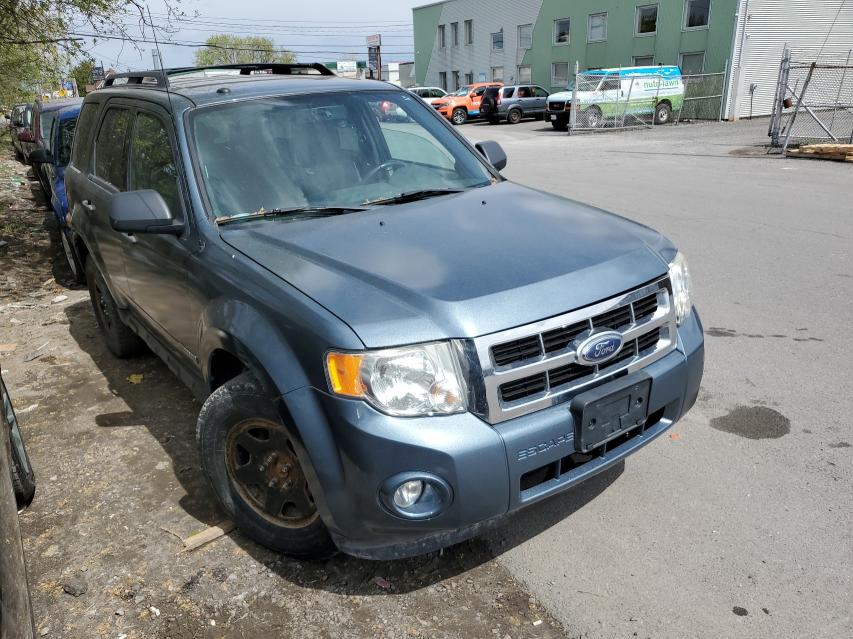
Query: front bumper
point(492, 471)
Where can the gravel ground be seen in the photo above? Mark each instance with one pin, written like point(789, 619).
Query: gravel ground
point(119, 486)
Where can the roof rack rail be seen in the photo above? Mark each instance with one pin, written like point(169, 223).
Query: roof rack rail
point(160, 79)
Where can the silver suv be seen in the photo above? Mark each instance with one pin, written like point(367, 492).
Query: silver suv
point(512, 103)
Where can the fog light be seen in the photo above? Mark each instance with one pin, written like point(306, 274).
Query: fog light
point(407, 494)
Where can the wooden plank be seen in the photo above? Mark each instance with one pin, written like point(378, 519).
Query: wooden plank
point(792, 153)
point(206, 536)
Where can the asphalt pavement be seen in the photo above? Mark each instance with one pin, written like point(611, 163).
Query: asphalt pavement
point(738, 523)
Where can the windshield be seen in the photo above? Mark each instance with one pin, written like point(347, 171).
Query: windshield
point(326, 150)
point(571, 86)
point(461, 92)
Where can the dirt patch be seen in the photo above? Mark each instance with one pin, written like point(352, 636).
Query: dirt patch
point(119, 481)
point(754, 422)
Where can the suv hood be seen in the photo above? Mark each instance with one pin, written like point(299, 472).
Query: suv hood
point(562, 95)
point(456, 266)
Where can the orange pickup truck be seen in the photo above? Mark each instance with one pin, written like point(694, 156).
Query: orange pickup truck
point(463, 104)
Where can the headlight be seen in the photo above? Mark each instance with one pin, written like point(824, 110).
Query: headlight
point(679, 275)
point(407, 382)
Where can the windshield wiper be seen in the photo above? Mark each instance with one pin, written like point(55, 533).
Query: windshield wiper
point(297, 211)
point(414, 196)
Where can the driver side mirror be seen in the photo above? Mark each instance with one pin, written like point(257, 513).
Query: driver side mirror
point(493, 152)
point(41, 156)
point(142, 212)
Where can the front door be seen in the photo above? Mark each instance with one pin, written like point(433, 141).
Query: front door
point(156, 264)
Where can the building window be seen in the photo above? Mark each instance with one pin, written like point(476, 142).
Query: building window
point(647, 20)
point(498, 41)
point(456, 83)
point(454, 33)
point(442, 79)
point(525, 36)
point(697, 14)
point(469, 77)
point(562, 31)
point(692, 63)
point(525, 74)
point(469, 32)
point(442, 42)
point(497, 74)
point(644, 60)
point(560, 74)
point(596, 28)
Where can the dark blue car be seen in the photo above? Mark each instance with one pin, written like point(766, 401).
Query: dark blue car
point(50, 162)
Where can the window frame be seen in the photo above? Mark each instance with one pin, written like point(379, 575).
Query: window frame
point(442, 37)
point(454, 34)
point(637, 64)
point(457, 80)
point(639, 8)
point(494, 79)
point(681, 61)
point(180, 215)
point(554, 41)
point(529, 68)
point(469, 32)
point(554, 77)
point(501, 34)
point(530, 39)
point(685, 15)
point(588, 30)
point(469, 78)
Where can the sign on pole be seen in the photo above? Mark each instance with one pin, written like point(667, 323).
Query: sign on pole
point(374, 56)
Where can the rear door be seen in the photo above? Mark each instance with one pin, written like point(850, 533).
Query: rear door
point(156, 265)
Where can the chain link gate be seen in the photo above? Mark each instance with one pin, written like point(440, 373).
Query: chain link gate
point(813, 101)
point(618, 101)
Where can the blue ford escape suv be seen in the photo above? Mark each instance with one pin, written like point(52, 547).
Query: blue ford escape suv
point(394, 344)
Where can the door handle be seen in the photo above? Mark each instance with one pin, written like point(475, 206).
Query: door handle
point(86, 204)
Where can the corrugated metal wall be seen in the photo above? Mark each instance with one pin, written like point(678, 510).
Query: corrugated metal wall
point(764, 28)
point(489, 16)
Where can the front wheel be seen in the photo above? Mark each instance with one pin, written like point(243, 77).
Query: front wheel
point(663, 113)
point(253, 466)
point(460, 116)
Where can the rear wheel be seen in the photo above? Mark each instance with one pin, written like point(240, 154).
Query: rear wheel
point(663, 113)
point(460, 116)
point(77, 269)
point(250, 459)
point(514, 116)
point(120, 339)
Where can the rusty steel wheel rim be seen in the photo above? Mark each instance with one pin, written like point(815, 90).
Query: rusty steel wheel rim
point(263, 467)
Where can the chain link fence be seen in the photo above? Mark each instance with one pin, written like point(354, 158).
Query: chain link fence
point(814, 100)
point(618, 101)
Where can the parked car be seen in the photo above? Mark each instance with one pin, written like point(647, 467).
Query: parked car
point(43, 116)
point(464, 104)
point(17, 487)
point(430, 95)
point(513, 103)
point(608, 94)
point(22, 133)
point(393, 344)
point(50, 162)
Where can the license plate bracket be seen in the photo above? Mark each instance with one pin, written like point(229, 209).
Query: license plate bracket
point(604, 413)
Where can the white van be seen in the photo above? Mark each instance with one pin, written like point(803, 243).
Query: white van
point(608, 94)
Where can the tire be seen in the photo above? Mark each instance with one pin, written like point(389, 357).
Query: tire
point(663, 113)
point(71, 257)
point(232, 421)
point(514, 116)
point(19, 156)
point(592, 117)
point(559, 125)
point(23, 477)
point(120, 339)
point(493, 120)
point(459, 116)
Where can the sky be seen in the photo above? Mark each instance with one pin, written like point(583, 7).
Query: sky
point(319, 31)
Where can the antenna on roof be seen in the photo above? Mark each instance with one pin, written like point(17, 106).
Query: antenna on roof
point(159, 57)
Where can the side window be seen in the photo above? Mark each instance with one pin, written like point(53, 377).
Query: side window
point(524, 92)
point(66, 136)
point(82, 151)
point(539, 92)
point(111, 148)
point(479, 92)
point(611, 84)
point(435, 93)
point(152, 162)
point(406, 139)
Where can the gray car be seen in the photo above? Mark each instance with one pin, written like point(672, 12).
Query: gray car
point(512, 103)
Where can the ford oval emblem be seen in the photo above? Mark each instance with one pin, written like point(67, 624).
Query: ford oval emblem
point(599, 348)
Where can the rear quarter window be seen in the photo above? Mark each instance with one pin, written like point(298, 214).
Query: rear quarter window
point(82, 147)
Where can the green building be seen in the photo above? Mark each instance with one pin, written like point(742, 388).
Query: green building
point(539, 41)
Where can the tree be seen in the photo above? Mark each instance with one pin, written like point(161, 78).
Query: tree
point(82, 74)
point(231, 49)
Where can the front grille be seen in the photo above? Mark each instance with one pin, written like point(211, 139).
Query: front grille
point(530, 368)
point(556, 106)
